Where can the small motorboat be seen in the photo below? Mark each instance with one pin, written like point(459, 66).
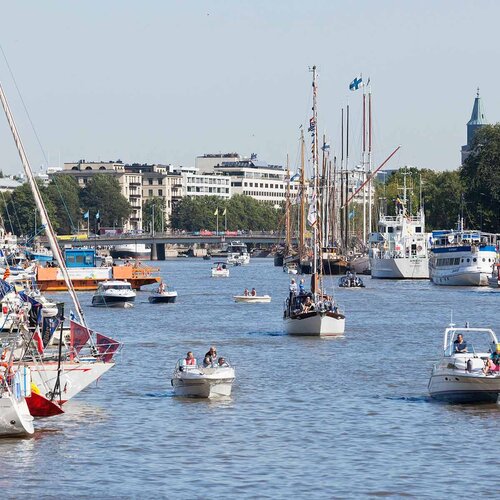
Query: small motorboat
point(461, 377)
point(350, 280)
point(115, 293)
point(199, 382)
point(290, 269)
point(252, 299)
point(220, 270)
point(163, 295)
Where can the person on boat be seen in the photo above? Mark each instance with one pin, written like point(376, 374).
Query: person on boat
point(161, 288)
point(302, 287)
point(210, 357)
point(189, 360)
point(293, 287)
point(460, 345)
point(493, 363)
point(307, 305)
point(222, 362)
point(253, 293)
point(246, 293)
point(219, 267)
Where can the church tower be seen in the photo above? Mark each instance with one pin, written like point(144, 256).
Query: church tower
point(477, 120)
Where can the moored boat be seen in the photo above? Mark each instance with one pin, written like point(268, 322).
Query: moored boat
point(461, 376)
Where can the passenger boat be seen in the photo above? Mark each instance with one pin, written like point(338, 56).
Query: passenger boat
point(196, 381)
point(459, 377)
point(114, 294)
point(163, 295)
point(220, 270)
point(252, 299)
point(461, 258)
point(315, 313)
point(237, 253)
point(399, 250)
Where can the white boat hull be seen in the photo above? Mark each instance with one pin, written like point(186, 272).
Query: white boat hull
point(220, 274)
point(205, 383)
point(75, 377)
point(457, 277)
point(15, 417)
point(256, 299)
point(317, 325)
point(463, 387)
point(400, 268)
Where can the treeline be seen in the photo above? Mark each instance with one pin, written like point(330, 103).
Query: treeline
point(67, 205)
point(194, 213)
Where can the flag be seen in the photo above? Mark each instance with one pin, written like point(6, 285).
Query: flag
point(5, 288)
point(225, 211)
point(38, 339)
point(326, 147)
point(356, 84)
point(294, 177)
point(216, 211)
point(312, 212)
point(97, 216)
point(6, 274)
point(312, 125)
point(352, 213)
point(106, 346)
point(79, 336)
point(86, 215)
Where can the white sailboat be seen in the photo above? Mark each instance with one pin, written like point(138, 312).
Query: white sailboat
point(314, 314)
point(89, 354)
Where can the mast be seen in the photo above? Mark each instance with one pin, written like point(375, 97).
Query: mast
point(341, 214)
point(302, 211)
point(346, 212)
point(363, 161)
point(315, 198)
point(49, 230)
point(370, 183)
point(287, 210)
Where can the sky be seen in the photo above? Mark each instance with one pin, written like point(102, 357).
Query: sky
point(163, 81)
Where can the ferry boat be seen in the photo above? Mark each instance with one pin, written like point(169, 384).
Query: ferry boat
point(461, 258)
point(399, 250)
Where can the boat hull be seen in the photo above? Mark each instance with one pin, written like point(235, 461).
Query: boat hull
point(257, 299)
point(461, 278)
point(464, 387)
point(315, 324)
point(209, 383)
point(109, 301)
point(162, 299)
point(15, 418)
point(400, 268)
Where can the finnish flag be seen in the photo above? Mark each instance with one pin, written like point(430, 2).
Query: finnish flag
point(356, 84)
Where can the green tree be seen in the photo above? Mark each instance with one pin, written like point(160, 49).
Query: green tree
point(157, 206)
point(64, 192)
point(103, 194)
point(480, 175)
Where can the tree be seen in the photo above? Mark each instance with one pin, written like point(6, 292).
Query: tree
point(64, 192)
point(103, 194)
point(157, 206)
point(480, 175)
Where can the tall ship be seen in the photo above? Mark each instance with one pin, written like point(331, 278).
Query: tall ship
point(461, 257)
point(399, 250)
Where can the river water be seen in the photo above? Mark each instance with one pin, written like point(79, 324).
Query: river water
point(339, 418)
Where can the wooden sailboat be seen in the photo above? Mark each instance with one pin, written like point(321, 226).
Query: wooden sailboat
point(314, 313)
point(90, 354)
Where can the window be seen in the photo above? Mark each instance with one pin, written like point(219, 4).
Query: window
point(150, 181)
point(160, 182)
point(160, 192)
point(150, 192)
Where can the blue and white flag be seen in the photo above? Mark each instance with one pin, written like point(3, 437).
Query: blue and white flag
point(86, 215)
point(356, 84)
point(294, 177)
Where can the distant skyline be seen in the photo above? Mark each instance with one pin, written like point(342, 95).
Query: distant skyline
point(162, 81)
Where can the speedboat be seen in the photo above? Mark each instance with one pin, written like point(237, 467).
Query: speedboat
point(350, 280)
point(252, 299)
point(220, 270)
point(114, 293)
point(196, 381)
point(459, 377)
point(237, 253)
point(163, 295)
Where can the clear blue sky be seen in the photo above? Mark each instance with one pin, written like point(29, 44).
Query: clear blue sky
point(164, 81)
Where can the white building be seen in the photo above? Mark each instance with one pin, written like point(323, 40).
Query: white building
point(205, 164)
point(195, 183)
point(8, 184)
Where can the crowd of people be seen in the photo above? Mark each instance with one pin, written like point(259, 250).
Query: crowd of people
point(301, 300)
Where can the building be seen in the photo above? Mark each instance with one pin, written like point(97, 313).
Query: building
point(195, 183)
point(8, 184)
point(477, 120)
point(130, 184)
point(205, 164)
point(257, 178)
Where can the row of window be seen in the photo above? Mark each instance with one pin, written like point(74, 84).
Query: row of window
point(456, 260)
point(198, 189)
point(272, 194)
point(207, 180)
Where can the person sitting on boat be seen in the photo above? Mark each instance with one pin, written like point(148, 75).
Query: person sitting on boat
point(189, 360)
point(219, 267)
point(307, 305)
point(293, 288)
point(161, 288)
point(493, 363)
point(253, 293)
point(302, 287)
point(222, 362)
point(460, 345)
point(210, 357)
point(246, 293)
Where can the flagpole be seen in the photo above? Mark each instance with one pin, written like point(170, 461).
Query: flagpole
point(88, 224)
point(217, 230)
point(370, 184)
point(225, 219)
point(363, 156)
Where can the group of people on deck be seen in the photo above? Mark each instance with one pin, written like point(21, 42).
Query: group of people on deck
point(209, 361)
point(492, 364)
point(253, 293)
point(301, 300)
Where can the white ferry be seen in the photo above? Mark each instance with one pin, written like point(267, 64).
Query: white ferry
point(461, 258)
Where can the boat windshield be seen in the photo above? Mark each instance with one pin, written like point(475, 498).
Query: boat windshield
point(477, 342)
point(116, 287)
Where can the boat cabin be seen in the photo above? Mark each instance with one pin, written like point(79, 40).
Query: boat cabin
point(79, 257)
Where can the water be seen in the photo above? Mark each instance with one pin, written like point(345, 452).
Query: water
point(308, 417)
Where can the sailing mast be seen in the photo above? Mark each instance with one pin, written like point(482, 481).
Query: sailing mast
point(303, 193)
point(363, 162)
point(315, 198)
point(370, 184)
point(49, 230)
point(288, 235)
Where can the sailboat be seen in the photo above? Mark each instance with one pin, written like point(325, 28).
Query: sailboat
point(314, 313)
point(89, 354)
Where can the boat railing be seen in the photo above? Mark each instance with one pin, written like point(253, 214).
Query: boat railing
point(143, 271)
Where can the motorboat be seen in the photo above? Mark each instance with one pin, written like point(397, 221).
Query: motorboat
point(290, 269)
point(199, 382)
point(494, 278)
point(220, 270)
point(350, 280)
point(460, 377)
point(252, 299)
point(115, 293)
point(163, 295)
point(237, 253)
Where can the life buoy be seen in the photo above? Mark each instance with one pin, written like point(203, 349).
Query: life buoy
point(419, 248)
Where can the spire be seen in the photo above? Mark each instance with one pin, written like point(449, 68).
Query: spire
point(477, 117)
